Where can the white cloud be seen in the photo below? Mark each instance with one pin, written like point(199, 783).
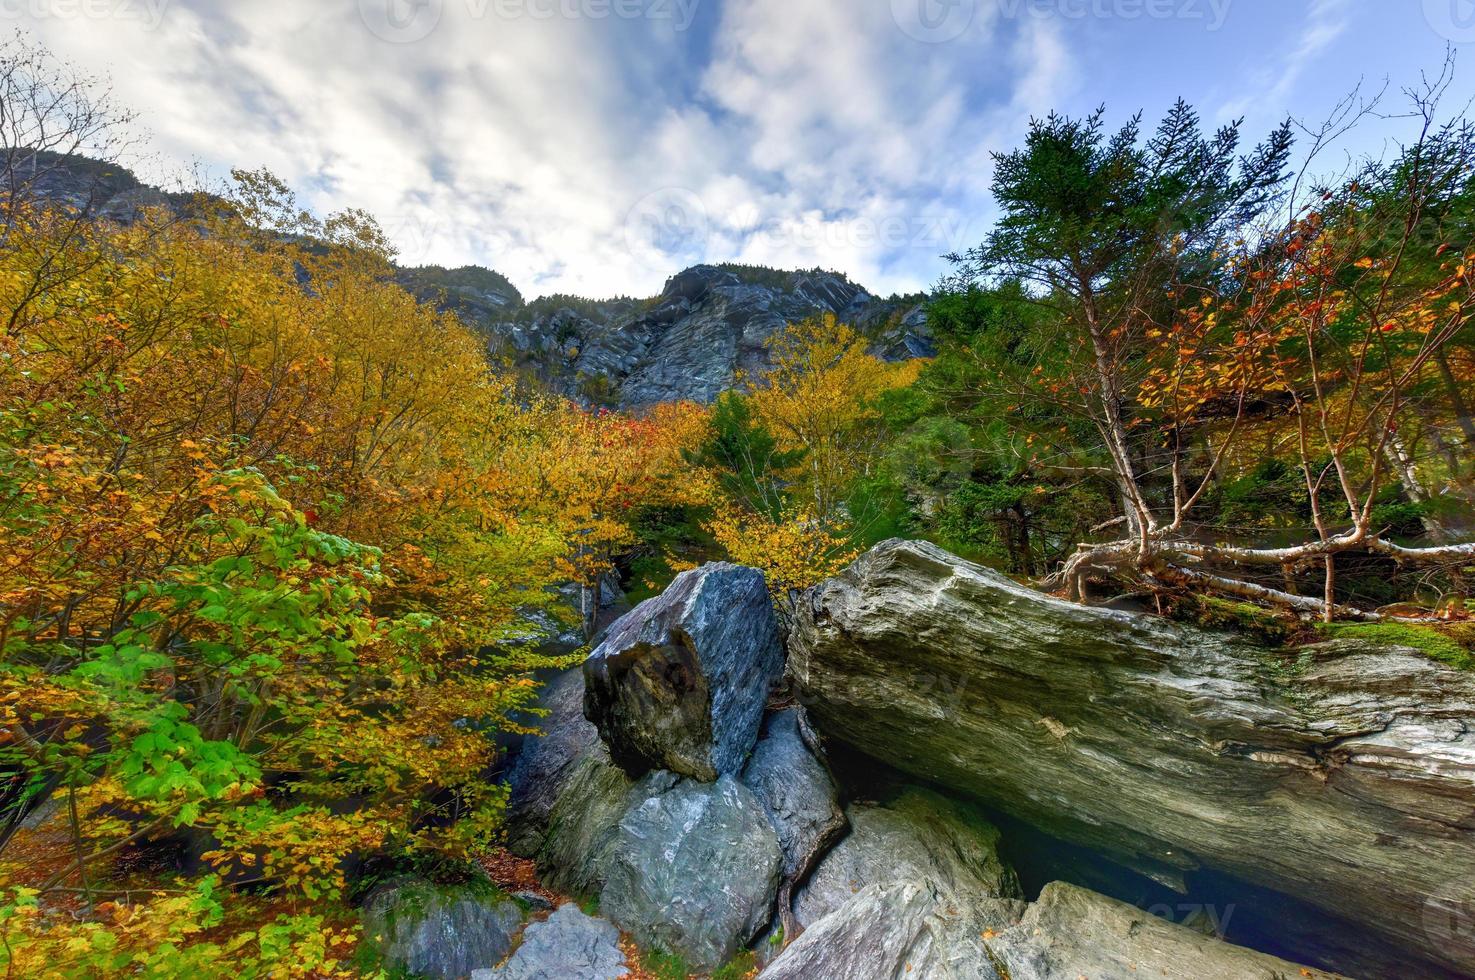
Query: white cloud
point(810, 133)
point(1325, 22)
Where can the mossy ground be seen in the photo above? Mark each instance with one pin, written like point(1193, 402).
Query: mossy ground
point(1452, 644)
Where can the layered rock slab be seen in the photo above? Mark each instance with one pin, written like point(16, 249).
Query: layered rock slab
point(1347, 780)
point(1072, 933)
point(568, 945)
point(800, 797)
point(908, 930)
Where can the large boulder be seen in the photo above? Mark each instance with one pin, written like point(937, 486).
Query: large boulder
point(910, 930)
point(443, 932)
point(1072, 933)
point(565, 795)
point(693, 869)
point(568, 945)
point(681, 682)
point(917, 837)
point(799, 795)
point(546, 763)
point(1346, 778)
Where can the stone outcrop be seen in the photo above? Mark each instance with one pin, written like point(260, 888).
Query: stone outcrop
point(908, 930)
point(1072, 933)
point(443, 932)
point(681, 682)
point(799, 796)
point(568, 945)
point(689, 343)
point(1346, 778)
point(546, 762)
point(693, 869)
point(916, 837)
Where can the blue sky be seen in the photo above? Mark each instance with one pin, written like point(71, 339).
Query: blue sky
point(597, 146)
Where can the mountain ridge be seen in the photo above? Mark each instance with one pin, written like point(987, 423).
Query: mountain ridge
point(710, 323)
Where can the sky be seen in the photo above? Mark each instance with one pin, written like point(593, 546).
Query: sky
point(596, 147)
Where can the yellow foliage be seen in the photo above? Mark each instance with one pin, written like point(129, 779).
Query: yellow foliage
point(819, 396)
point(794, 552)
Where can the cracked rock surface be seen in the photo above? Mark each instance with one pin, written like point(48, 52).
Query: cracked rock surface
point(1348, 782)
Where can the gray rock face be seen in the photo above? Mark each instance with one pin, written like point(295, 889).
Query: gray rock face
point(681, 682)
point(582, 824)
point(907, 931)
point(1071, 933)
point(1349, 784)
point(917, 838)
point(796, 791)
point(800, 797)
point(693, 870)
point(569, 945)
point(475, 294)
point(566, 796)
point(709, 323)
point(439, 931)
point(544, 767)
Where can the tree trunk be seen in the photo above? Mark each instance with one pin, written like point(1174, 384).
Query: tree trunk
point(1456, 396)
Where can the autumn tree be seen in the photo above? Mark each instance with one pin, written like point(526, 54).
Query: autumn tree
point(1101, 226)
point(1187, 320)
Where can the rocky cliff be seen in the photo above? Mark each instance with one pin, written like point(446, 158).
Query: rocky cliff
point(689, 343)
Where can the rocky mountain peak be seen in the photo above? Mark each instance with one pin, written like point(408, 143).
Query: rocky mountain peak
point(709, 324)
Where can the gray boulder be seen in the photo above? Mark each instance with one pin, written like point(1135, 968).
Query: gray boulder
point(440, 931)
point(909, 930)
point(1071, 933)
point(546, 762)
point(1347, 780)
point(568, 945)
point(916, 838)
point(799, 795)
point(583, 823)
point(681, 682)
point(693, 870)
